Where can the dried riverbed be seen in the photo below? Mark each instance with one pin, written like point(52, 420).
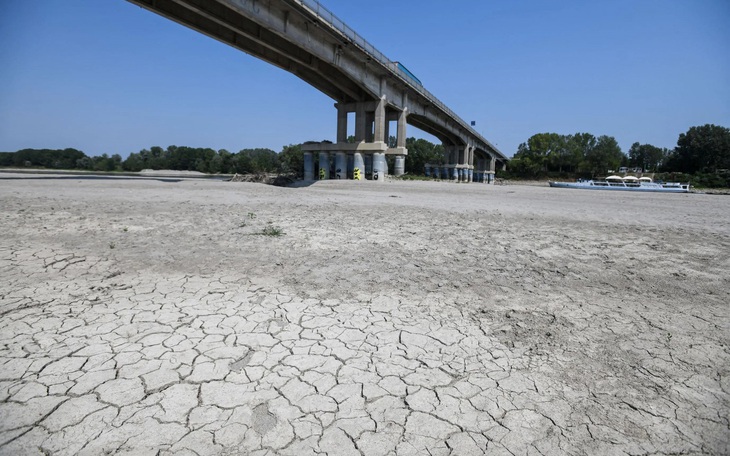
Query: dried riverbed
point(196, 317)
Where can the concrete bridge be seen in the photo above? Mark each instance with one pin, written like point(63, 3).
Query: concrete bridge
point(306, 39)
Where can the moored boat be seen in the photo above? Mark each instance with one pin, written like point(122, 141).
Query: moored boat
point(629, 183)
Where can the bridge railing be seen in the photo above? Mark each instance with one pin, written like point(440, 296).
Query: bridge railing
point(329, 17)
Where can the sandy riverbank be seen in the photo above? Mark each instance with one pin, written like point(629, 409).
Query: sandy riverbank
point(146, 315)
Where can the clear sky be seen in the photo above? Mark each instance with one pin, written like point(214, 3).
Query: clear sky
point(105, 76)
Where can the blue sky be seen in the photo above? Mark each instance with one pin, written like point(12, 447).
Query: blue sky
point(105, 76)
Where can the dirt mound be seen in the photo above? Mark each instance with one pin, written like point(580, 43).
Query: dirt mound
point(279, 180)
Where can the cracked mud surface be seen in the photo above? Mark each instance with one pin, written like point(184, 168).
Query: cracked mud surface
point(147, 317)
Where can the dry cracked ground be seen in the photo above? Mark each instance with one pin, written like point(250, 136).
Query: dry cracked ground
point(193, 318)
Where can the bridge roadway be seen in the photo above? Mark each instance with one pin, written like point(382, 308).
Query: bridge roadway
point(306, 39)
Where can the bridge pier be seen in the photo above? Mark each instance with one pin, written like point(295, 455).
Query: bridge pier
point(379, 166)
point(465, 164)
point(371, 146)
point(358, 168)
point(491, 171)
point(400, 165)
point(324, 165)
point(341, 165)
point(368, 158)
point(484, 170)
point(308, 166)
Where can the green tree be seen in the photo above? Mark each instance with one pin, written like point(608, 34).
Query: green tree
point(420, 152)
point(541, 150)
point(6, 158)
point(215, 166)
point(133, 163)
point(157, 159)
point(261, 160)
point(605, 155)
point(291, 159)
point(241, 163)
point(580, 145)
point(225, 157)
point(702, 149)
point(524, 165)
point(47, 158)
point(646, 156)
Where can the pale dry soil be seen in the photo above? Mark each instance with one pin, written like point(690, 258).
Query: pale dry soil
point(151, 317)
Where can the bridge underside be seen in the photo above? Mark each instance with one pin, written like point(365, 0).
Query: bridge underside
point(303, 38)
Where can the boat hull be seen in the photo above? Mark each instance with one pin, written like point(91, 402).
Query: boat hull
point(591, 185)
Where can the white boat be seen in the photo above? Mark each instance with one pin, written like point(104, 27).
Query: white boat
point(628, 183)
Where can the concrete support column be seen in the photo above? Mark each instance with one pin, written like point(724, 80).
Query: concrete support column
point(369, 121)
point(341, 165)
point(341, 124)
point(470, 177)
point(401, 140)
point(358, 170)
point(400, 165)
point(350, 165)
point(360, 122)
point(492, 164)
point(455, 174)
point(308, 166)
point(379, 166)
point(380, 121)
point(368, 158)
point(324, 165)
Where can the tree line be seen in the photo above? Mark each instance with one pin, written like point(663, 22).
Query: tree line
point(181, 158)
point(205, 160)
point(703, 151)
